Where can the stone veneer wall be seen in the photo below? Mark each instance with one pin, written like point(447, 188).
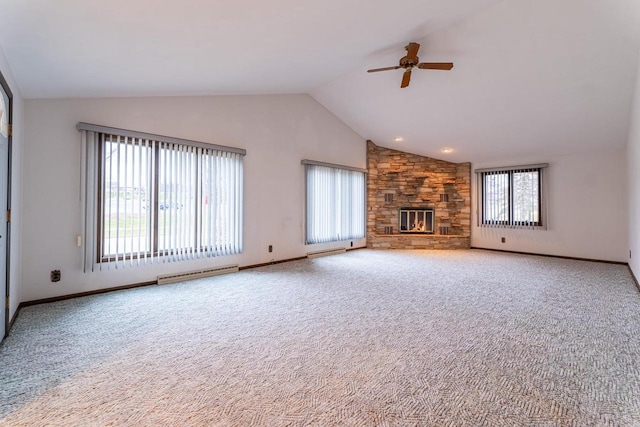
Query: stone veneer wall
point(416, 181)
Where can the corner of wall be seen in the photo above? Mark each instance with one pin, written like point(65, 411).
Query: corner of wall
point(633, 180)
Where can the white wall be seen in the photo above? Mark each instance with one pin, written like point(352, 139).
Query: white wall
point(633, 158)
point(278, 131)
point(15, 265)
point(587, 209)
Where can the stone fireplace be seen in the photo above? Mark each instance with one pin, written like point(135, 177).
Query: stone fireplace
point(405, 189)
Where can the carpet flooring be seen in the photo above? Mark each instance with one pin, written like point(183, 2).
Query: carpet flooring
point(368, 338)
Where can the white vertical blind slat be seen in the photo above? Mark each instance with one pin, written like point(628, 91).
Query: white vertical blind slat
point(218, 201)
point(151, 200)
point(234, 207)
point(138, 185)
point(106, 231)
point(507, 215)
point(117, 227)
point(208, 237)
point(89, 193)
point(91, 242)
point(198, 207)
point(168, 221)
point(232, 204)
point(191, 215)
point(186, 211)
point(225, 207)
point(123, 176)
point(237, 240)
point(174, 167)
point(215, 201)
point(85, 161)
point(178, 196)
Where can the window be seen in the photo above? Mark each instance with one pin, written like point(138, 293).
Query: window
point(151, 198)
point(335, 202)
point(511, 197)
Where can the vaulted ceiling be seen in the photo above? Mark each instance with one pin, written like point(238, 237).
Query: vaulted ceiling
point(531, 77)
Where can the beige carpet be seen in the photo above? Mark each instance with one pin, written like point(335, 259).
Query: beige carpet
point(460, 338)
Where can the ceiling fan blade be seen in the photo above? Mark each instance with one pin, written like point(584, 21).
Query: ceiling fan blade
point(412, 51)
point(405, 78)
point(375, 70)
point(435, 65)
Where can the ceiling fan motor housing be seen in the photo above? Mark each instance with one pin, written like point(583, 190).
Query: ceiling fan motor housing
point(407, 62)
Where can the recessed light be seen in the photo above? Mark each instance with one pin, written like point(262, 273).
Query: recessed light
point(398, 139)
point(446, 150)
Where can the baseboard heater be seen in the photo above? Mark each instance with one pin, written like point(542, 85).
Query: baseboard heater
point(197, 274)
point(326, 253)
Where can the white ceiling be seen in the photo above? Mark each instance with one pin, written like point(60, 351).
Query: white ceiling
point(531, 77)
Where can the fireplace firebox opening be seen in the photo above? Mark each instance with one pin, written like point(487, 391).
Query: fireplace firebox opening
point(416, 220)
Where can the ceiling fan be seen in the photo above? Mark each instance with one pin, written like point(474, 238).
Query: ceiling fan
point(411, 60)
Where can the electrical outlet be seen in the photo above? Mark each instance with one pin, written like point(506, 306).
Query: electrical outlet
point(270, 248)
point(351, 244)
point(56, 275)
point(503, 240)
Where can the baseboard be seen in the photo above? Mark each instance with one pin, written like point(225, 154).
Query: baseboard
point(280, 261)
point(15, 316)
point(264, 264)
point(84, 294)
point(552, 256)
point(633, 276)
point(11, 322)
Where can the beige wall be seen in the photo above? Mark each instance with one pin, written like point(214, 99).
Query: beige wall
point(278, 131)
point(586, 201)
point(633, 177)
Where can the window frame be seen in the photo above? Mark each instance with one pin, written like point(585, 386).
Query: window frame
point(191, 239)
point(335, 238)
point(153, 205)
point(484, 207)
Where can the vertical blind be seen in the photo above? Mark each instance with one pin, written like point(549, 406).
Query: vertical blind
point(511, 197)
point(335, 203)
point(161, 199)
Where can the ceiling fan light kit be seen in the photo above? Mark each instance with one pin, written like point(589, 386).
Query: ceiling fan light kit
point(411, 60)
